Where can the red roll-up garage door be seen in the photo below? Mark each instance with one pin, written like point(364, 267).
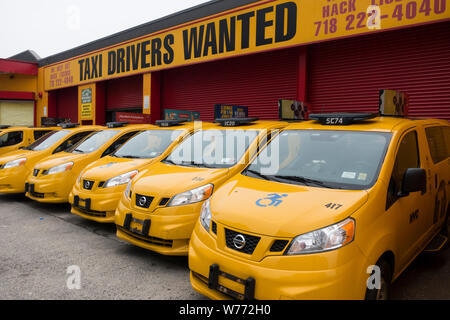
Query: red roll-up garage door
point(346, 75)
point(124, 93)
point(67, 104)
point(255, 81)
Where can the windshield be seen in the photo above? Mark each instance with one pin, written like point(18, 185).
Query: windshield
point(94, 141)
point(148, 144)
point(328, 159)
point(213, 148)
point(47, 141)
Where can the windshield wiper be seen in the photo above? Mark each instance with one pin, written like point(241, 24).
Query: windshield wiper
point(78, 150)
point(258, 174)
point(128, 156)
point(306, 181)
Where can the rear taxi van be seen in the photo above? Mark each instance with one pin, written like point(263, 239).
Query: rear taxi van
point(16, 166)
point(53, 177)
point(101, 184)
point(160, 206)
point(14, 138)
point(346, 204)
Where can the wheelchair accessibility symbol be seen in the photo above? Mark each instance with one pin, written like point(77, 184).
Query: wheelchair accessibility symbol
point(273, 199)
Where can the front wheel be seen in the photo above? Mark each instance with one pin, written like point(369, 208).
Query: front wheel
point(383, 290)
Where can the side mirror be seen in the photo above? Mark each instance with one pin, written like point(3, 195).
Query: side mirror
point(414, 180)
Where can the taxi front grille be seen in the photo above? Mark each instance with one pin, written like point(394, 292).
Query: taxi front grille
point(214, 227)
point(148, 239)
point(278, 245)
point(143, 201)
point(37, 194)
point(250, 241)
point(93, 213)
point(88, 184)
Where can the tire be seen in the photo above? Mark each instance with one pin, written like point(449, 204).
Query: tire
point(386, 276)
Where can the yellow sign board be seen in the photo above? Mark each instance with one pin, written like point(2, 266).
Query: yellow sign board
point(86, 97)
point(261, 26)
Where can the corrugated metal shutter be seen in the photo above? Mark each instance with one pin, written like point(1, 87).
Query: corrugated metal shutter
point(346, 75)
point(15, 112)
point(255, 81)
point(124, 93)
point(67, 103)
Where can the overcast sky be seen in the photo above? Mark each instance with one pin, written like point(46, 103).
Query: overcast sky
point(52, 26)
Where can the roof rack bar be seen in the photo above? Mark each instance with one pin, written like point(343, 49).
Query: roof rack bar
point(68, 125)
point(116, 124)
point(346, 118)
point(169, 123)
point(235, 122)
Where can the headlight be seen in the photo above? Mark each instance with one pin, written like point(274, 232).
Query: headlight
point(325, 239)
point(192, 196)
point(15, 163)
point(127, 191)
point(60, 168)
point(205, 215)
point(122, 179)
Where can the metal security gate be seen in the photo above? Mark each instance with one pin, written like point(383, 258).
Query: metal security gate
point(255, 81)
point(346, 75)
point(123, 95)
point(67, 103)
point(16, 112)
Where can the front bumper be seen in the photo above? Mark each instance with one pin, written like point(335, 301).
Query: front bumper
point(13, 180)
point(332, 275)
point(99, 207)
point(49, 189)
point(169, 228)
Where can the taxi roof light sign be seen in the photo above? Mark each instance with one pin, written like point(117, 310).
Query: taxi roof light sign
point(68, 125)
point(170, 123)
point(338, 119)
point(235, 122)
point(116, 124)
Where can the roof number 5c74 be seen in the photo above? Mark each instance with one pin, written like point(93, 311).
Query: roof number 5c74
point(334, 121)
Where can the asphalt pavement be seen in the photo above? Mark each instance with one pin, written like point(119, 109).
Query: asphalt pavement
point(39, 242)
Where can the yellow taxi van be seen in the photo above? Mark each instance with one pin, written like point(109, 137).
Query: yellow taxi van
point(348, 202)
point(16, 166)
point(160, 206)
point(53, 177)
point(101, 184)
point(14, 138)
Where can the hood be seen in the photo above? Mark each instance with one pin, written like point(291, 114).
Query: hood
point(109, 167)
point(14, 155)
point(281, 210)
point(59, 158)
point(170, 180)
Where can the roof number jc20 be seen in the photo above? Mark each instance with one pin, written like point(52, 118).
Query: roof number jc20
point(334, 120)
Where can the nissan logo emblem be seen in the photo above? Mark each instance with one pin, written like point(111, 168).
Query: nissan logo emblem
point(142, 201)
point(239, 241)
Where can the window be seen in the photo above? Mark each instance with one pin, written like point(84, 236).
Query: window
point(40, 133)
point(407, 157)
point(47, 141)
point(439, 142)
point(148, 144)
point(73, 140)
point(95, 141)
point(213, 148)
point(118, 143)
point(322, 158)
point(11, 138)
